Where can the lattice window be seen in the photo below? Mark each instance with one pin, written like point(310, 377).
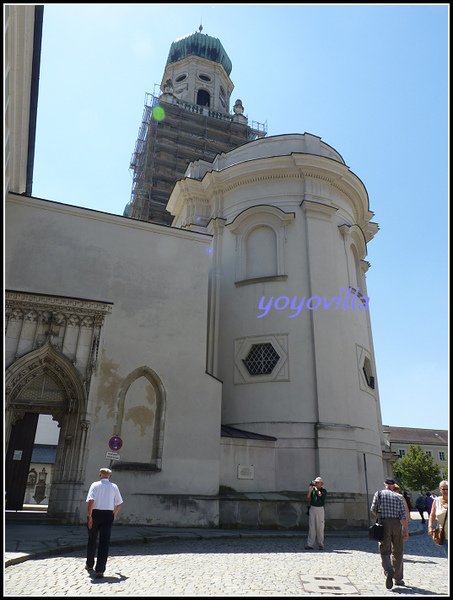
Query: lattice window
point(43, 389)
point(261, 359)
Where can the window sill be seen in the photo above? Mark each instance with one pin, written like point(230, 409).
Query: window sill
point(134, 466)
point(260, 280)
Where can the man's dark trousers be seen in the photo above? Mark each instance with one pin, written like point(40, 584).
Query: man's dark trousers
point(102, 524)
point(391, 549)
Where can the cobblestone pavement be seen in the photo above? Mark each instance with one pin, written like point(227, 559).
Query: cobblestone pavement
point(235, 567)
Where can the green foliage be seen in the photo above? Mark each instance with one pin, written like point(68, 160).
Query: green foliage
point(417, 471)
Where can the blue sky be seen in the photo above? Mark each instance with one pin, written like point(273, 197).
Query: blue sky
point(370, 80)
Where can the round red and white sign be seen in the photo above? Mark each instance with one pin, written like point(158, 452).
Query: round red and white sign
point(115, 442)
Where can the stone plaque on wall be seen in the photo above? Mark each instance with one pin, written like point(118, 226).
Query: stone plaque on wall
point(246, 472)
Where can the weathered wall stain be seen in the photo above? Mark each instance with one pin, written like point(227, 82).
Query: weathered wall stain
point(141, 416)
point(109, 384)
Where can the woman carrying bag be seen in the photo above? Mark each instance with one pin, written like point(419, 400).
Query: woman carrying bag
point(439, 513)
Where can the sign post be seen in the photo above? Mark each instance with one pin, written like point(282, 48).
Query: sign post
point(115, 444)
point(112, 455)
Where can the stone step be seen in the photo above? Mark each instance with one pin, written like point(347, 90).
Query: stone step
point(30, 516)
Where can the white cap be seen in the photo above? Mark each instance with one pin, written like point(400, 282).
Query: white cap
point(319, 479)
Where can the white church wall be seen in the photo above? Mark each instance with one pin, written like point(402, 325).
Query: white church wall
point(316, 400)
point(156, 279)
point(247, 465)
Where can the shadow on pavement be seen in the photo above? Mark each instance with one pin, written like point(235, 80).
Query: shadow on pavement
point(110, 579)
point(413, 591)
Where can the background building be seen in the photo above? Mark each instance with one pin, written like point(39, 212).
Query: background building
point(22, 45)
point(432, 441)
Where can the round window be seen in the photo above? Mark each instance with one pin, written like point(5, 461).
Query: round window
point(180, 78)
point(204, 77)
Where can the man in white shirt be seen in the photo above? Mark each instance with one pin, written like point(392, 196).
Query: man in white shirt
point(103, 503)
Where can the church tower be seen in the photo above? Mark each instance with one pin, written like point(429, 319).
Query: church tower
point(188, 119)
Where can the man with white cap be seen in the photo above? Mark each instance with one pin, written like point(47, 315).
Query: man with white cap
point(316, 494)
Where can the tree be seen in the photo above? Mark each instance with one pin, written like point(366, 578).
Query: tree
point(417, 470)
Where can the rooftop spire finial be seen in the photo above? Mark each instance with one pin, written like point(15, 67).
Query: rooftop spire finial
point(200, 29)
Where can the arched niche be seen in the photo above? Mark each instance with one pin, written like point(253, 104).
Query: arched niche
point(260, 233)
point(261, 252)
point(355, 246)
point(140, 420)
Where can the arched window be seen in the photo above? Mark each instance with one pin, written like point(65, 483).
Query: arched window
point(261, 252)
point(203, 98)
point(260, 243)
point(137, 428)
point(140, 421)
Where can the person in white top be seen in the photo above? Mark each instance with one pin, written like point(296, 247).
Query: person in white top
point(103, 504)
point(439, 513)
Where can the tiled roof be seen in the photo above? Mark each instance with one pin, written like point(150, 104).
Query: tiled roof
point(227, 431)
point(412, 435)
point(44, 453)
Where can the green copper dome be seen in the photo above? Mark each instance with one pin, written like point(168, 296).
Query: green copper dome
point(199, 44)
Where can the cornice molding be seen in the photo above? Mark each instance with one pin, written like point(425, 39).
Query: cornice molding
point(297, 167)
point(237, 224)
point(318, 209)
point(38, 302)
point(118, 220)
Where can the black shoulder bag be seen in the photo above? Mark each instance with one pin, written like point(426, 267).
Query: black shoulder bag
point(376, 531)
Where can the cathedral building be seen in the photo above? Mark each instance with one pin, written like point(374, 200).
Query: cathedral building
point(218, 363)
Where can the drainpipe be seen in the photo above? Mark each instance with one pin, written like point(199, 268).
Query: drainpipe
point(367, 494)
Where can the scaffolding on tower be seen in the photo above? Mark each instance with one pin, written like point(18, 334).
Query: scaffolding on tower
point(172, 134)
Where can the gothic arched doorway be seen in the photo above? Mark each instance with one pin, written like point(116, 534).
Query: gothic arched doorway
point(44, 381)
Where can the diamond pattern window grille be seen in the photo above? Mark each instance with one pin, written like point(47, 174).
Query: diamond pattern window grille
point(261, 359)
